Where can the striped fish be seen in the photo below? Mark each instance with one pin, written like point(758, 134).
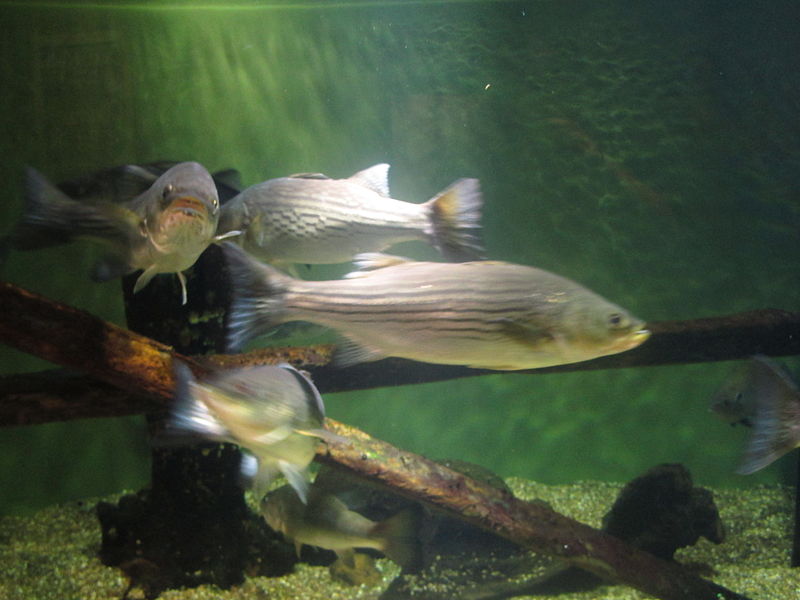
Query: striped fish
point(312, 219)
point(486, 314)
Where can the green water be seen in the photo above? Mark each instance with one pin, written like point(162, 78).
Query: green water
point(650, 154)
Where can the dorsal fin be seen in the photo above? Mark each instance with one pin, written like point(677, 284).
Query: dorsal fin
point(308, 176)
point(370, 261)
point(375, 178)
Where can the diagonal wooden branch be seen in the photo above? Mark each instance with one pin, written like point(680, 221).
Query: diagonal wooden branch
point(531, 525)
point(75, 339)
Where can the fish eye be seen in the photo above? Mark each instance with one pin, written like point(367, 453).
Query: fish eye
point(616, 320)
point(168, 189)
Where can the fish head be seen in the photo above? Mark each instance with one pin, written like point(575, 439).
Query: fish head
point(734, 400)
point(282, 510)
point(596, 327)
point(181, 208)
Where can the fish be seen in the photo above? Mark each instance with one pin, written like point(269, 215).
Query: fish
point(734, 402)
point(764, 396)
point(309, 218)
point(482, 314)
point(162, 230)
point(274, 412)
point(326, 522)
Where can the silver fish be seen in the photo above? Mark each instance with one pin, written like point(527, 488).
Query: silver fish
point(488, 314)
point(311, 219)
point(326, 522)
point(163, 230)
point(273, 412)
point(766, 396)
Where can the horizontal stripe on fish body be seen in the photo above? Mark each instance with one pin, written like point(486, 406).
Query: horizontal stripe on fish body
point(303, 220)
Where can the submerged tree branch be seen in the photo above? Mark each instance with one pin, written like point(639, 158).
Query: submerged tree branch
point(76, 339)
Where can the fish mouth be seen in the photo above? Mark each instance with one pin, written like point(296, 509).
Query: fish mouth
point(189, 205)
point(636, 338)
point(630, 340)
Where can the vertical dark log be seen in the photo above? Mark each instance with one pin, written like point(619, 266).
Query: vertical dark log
point(796, 539)
point(192, 525)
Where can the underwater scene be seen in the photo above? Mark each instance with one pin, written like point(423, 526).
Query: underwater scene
point(400, 299)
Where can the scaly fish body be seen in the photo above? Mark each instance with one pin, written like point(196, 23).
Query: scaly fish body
point(485, 314)
point(274, 412)
point(316, 220)
point(162, 230)
point(326, 522)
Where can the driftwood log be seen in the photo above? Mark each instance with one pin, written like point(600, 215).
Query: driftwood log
point(127, 361)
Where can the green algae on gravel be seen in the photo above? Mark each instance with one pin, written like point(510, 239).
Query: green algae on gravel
point(52, 555)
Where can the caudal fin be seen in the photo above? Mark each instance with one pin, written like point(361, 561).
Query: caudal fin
point(776, 424)
point(190, 419)
point(455, 215)
point(50, 217)
point(257, 297)
point(400, 535)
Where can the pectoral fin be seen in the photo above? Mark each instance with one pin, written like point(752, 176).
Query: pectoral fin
point(226, 235)
point(145, 278)
point(325, 435)
point(527, 334)
point(297, 479)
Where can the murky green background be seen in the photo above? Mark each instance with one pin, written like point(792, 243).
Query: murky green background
point(648, 152)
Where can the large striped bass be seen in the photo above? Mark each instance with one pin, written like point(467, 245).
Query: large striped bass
point(485, 314)
point(312, 219)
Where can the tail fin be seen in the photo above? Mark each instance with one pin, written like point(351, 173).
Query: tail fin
point(189, 420)
point(257, 302)
point(776, 425)
point(400, 534)
point(50, 217)
point(189, 413)
point(455, 215)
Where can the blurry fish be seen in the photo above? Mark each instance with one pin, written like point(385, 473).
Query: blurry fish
point(162, 230)
point(326, 522)
point(311, 219)
point(273, 412)
point(735, 400)
point(489, 314)
point(763, 395)
point(125, 182)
